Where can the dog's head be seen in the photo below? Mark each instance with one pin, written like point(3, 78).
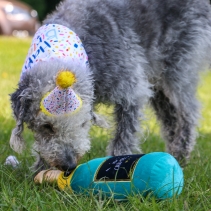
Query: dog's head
point(54, 97)
point(55, 101)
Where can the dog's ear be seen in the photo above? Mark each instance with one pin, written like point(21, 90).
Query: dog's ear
point(16, 140)
point(20, 103)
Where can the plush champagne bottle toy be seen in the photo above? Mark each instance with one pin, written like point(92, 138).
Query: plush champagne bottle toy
point(158, 174)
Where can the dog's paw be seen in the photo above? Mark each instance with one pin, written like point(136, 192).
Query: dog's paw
point(181, 154)
point(39, 166)
point(117, 147)
point(183, 157)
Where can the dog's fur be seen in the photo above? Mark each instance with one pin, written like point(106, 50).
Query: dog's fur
point(139, 51)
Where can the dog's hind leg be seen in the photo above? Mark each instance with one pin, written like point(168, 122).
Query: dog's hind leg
point(178, 121)
point(183, 55)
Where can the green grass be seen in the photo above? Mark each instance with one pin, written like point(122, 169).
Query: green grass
point(18, 191)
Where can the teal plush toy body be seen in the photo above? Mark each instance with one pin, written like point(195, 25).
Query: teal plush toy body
point(156, 173)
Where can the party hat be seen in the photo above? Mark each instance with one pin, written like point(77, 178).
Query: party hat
point(62, 99)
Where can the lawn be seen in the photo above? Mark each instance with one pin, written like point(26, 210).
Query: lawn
point(18, 191)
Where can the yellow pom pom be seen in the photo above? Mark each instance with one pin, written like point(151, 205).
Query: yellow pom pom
point(65, 79)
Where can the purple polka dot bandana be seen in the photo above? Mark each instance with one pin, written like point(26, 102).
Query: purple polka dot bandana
point(54, 41)
point(60, 101)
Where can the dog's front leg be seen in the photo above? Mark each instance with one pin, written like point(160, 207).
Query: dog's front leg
point(39, 165)
point(125, 141)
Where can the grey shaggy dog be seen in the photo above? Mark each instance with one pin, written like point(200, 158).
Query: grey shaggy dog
point(139, 51)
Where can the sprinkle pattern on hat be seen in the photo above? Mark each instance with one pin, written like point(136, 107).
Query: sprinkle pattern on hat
point(60, 101)
point(54, 41)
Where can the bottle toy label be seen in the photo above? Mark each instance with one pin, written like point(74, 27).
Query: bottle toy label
point(118, 168)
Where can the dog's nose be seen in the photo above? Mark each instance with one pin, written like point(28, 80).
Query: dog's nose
point(68, 169)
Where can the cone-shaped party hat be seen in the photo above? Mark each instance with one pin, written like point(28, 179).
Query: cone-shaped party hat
point(62, 99)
